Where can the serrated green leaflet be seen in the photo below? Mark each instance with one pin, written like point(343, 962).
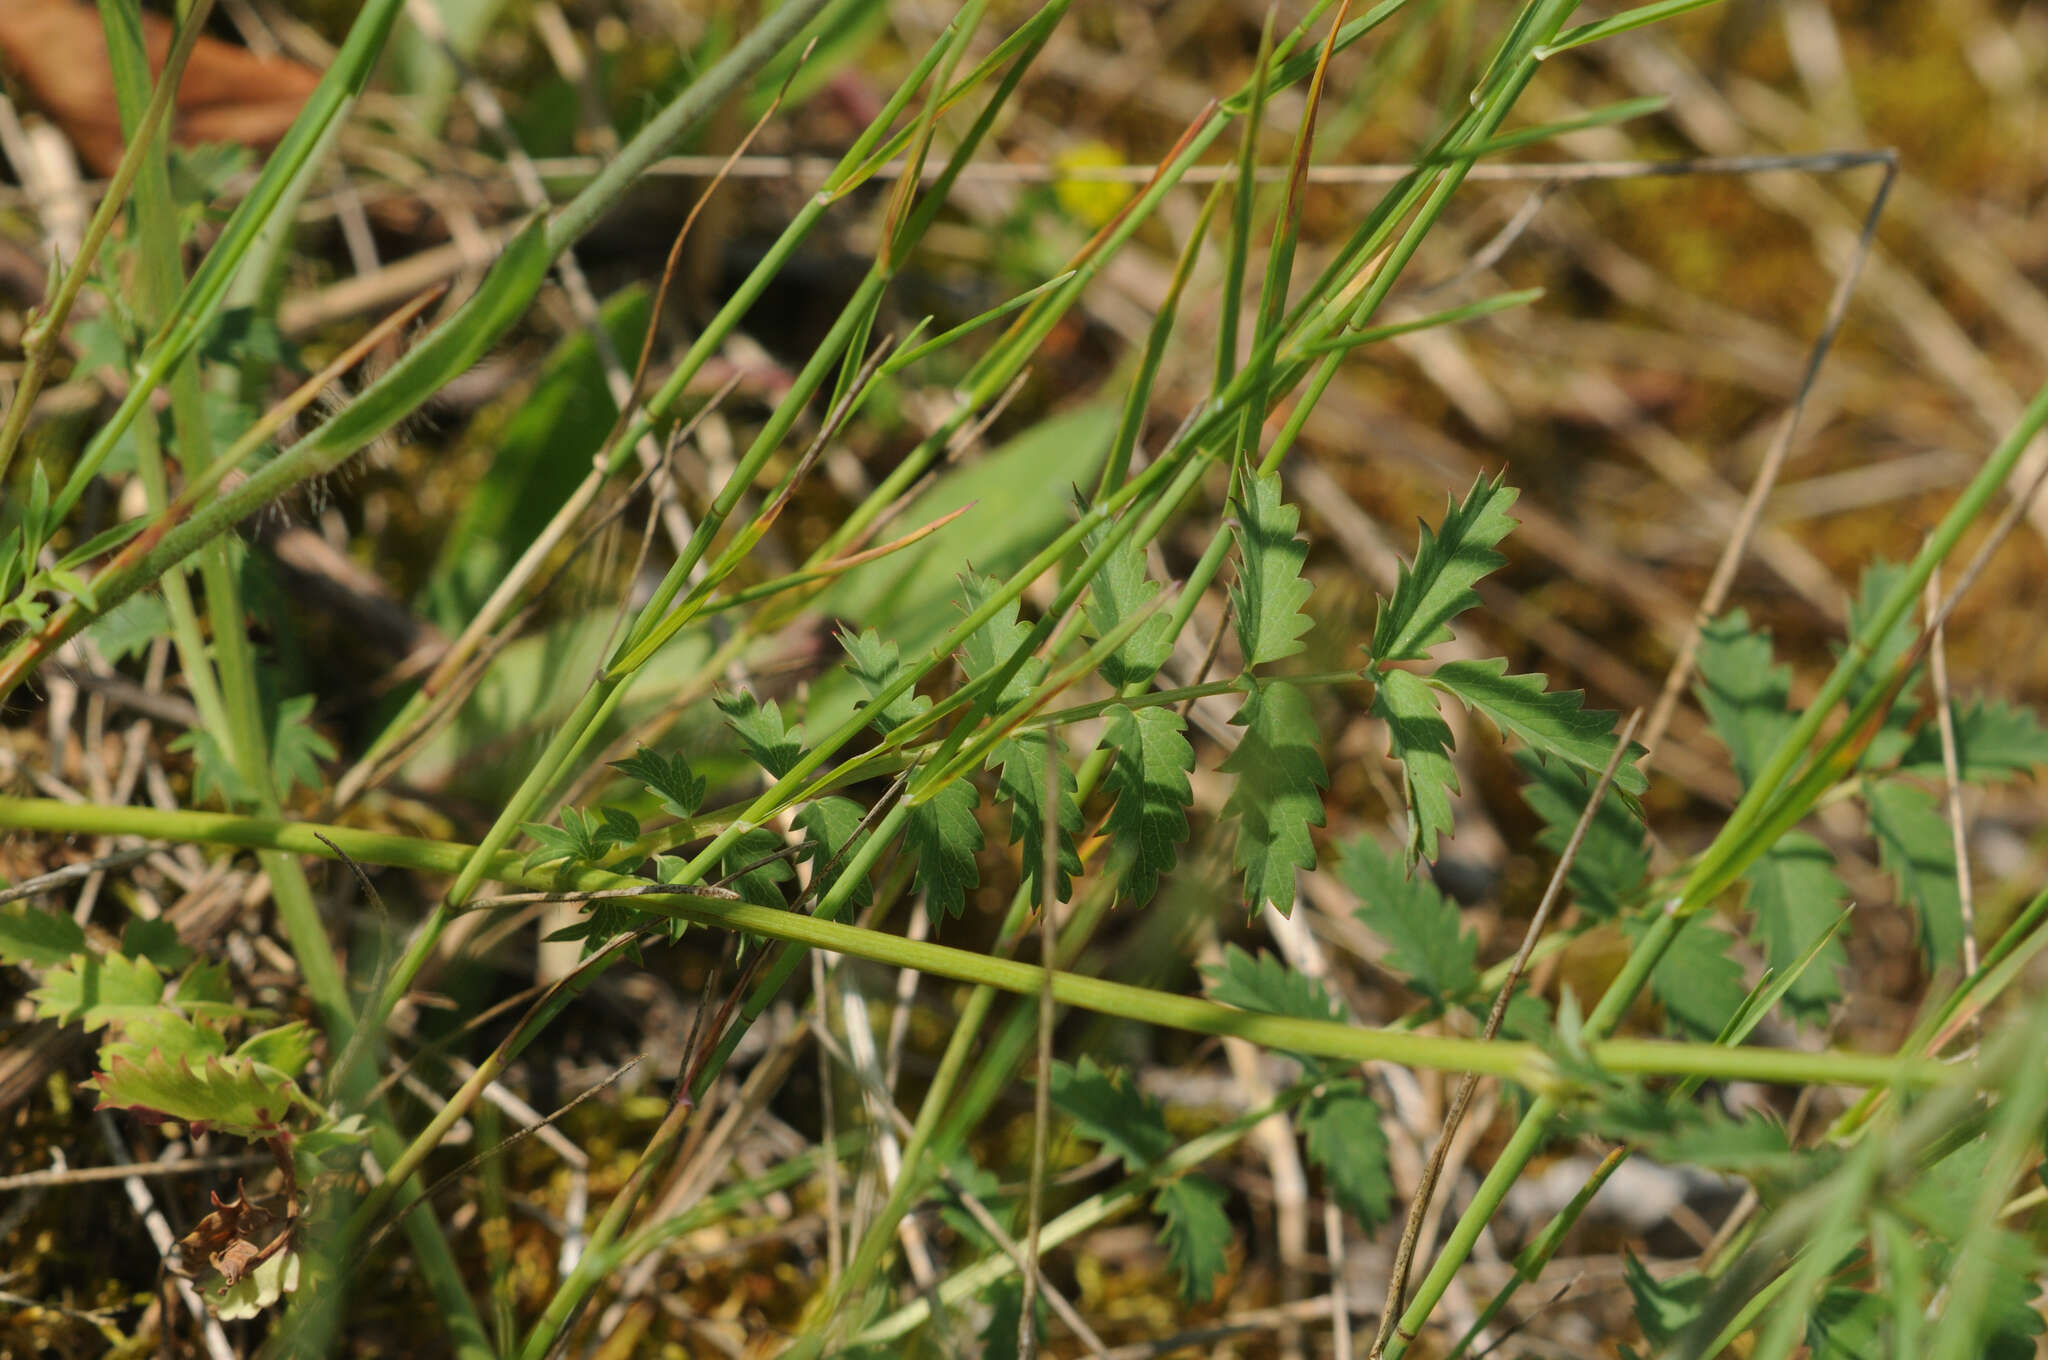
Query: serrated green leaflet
point(1437, 586)
point(1553, 723)
point(1794, 899)
point(1917, 849)
point(1742, 691)
point(1149, 780)
point(1278, 793)
point(1267, 597)
point(1420, 739)
point(1426, 941)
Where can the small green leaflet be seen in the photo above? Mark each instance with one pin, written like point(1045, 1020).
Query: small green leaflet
point(1340, 1122)
point(130, 626)
point(1698, 980)
point(1555, 724)
point(1267, 597)
point(987, 649)
point(1277, 796)
point(1427, 944)
point(829, 825)
point(1994, 740)
point(1612, 864)
point(751, 871)
point(668, 778)
point(96, 991)
point(1120, 589)
point(945, 837)
point(296, 751)
point(1742, 691)
point(1918, 850)
point(1196, 1233)
point(1794, 898)
point(234, 1095)
point(767, 742)
point(1021, 758)
point(1878, 580)
point(1420, 739)
point(1149, 780)
point(1108, 1109)
point(875, 663)
point(1341, 1126)
point(582, 838)
point(1126, 1124)
point(1664, 1308)
point(1448, 563)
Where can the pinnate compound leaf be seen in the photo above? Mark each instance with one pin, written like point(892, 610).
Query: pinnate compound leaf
point(944, 835)
point(99, 990)
point(1553, 723)
point(1149, 780)
point(39, 939)
point(1120, 589)
point(581, 838)
point(1743, 693)
point(1794, 898)
point(1420, 739)
point(1341, 1126)
point(1267, 597)
point(1448, 562)
point(1278, 793)
point(877, 665)
point(1916, 847)
point(1608, 873)
point(832, 831)
point(1196, 1233)
point(1108, 1109)
point(1022, 785)
point(1994, 740)
point(769, 744)
point(1698, 980)
point(230, 1094)
point(669, 778)
point(1427, 943)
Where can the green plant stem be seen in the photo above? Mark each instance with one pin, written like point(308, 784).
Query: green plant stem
point(1521, 1062)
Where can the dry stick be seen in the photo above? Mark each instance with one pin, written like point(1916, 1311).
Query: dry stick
point(86, 1175)
point(1041, 1099)
point(1404, 1259)
point(1937, 664)
point(71, 873)
point(1751, 515)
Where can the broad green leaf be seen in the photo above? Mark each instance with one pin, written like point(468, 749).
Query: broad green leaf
point(874, 662)
point(1120, 589)
point(1608, 873)
point(1553, 723)
point(945, 837)
point(1022, 785)
point(772, 746)
point(828, 825)
point(257, 1291)
point(669, 778)
point(749, 871)
point(1743, 693)
point(1107, 1108)
point(1449, 561)
point(96, 991)
point(1698, 980)
point(1420, 739)
point(1277, 796)
point(1426, 941)
point(1196, 1234)
point(1341, 1126)
point(229, 1094)
point(1794, 898)
point(1917, 849)
point(39, 939)
point(1149, 780)
point(1267, 597)
point(163, 1030)
point(1994, 740)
